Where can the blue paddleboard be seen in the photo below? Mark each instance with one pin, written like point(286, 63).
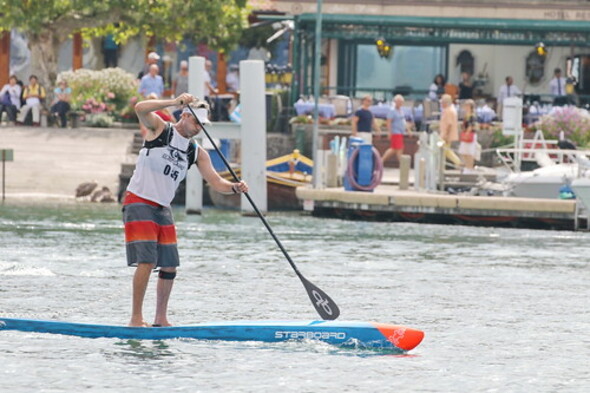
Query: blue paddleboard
point(347, 334)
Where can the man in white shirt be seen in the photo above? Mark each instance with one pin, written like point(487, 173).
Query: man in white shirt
point(557, 88)
point(509, 89)
point(232, 79)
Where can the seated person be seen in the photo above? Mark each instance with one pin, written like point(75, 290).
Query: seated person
point(33, 94)
point(10, 98)
point(61, 105)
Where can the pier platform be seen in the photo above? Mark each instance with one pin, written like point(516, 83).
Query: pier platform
point(389, 203)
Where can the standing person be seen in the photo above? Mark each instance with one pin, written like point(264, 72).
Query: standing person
point(437, 88)
point(210, 90)
point(61, 105)
point(509, 89)
point(110, 51)
point(180, 85)
point(398, 127)
point(152, 83)
point(557, 88)
point(232, 79)
point(468, 144)
point(33, 94)
point(363, 121)
point(152, 58)
point(449, 128)
point(10, 99)
point(465, 87)
point(150, 233)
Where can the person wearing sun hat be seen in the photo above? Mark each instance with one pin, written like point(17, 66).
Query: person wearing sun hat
point(152, 58)
point(150, 233)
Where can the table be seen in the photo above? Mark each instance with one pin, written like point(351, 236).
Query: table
point(380, 111)
point(324, 110)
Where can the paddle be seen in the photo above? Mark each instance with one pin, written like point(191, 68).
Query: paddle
point(323, 304)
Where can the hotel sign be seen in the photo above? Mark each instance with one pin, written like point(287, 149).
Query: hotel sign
point(566, 15)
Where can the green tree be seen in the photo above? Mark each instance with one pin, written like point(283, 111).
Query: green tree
point(48, 23)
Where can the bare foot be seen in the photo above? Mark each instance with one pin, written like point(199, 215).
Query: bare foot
point(140, 323)
point(161, 324)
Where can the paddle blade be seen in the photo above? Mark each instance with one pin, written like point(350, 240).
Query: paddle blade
point(323, 303)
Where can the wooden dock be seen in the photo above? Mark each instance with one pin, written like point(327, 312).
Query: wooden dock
point(389, 203)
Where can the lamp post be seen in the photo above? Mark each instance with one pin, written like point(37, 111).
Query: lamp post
point(316, 93)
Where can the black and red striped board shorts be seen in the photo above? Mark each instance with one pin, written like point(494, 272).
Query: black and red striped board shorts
point(150, 233)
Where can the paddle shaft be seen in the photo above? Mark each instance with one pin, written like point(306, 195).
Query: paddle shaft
point(237, 179)
point(323, 304)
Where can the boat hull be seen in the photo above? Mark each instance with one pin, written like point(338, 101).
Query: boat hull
point(283, 175)
point(280, 197)
point(346, 334)
point(544, 182)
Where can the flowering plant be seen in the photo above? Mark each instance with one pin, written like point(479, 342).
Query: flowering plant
point(573, 122)
point(93, 106)
point(106, 90)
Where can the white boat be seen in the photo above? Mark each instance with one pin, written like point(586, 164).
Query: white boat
point(557, 167)
point(544, 182)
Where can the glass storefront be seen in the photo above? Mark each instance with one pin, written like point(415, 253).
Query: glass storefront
point(409, 70)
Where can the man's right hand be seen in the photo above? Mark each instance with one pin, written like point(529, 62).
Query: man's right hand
point(185, 99)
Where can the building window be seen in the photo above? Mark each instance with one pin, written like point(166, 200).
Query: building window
point(466, 62)
point(409, 70)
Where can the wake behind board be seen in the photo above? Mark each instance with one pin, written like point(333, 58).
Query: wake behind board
point(346, 334)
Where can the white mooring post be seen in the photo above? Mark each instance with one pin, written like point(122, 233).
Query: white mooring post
point(194, 180)
point(253, 134)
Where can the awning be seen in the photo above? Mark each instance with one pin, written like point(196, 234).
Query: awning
point(449, 30)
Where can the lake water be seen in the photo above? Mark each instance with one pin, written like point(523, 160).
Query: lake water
point(502, 309)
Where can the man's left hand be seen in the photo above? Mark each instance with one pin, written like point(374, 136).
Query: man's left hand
point(240, 187)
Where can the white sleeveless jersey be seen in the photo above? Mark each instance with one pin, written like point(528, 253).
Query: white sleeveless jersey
point(161, 166)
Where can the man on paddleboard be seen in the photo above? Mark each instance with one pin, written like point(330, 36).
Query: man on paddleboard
point(150, 233)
